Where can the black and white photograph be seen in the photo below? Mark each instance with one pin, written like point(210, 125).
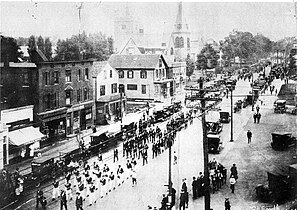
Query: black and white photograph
point(154, 105)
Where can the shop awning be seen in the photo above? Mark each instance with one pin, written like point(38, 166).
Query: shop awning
point(25, 136)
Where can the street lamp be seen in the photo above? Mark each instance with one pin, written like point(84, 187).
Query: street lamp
point(170, 142)
point(231, 87)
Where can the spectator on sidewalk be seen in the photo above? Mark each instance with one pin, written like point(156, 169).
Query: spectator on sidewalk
point(185, 189)
point(227, 204)
point(232, 183)
point(115, 155)
point(249, 136)
point(258, 117)
point(39, 195)
point(134, 178)
point(43, 203)
point(255, 117)
point(63, 200)
point(182, 202)
point(234, 171)
point(194, 187)
point(78, 201)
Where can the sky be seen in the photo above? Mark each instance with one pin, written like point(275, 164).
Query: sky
point(206, 20)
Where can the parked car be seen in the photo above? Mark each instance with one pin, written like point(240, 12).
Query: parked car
point(280, 106)
point(282, 140)
point(214, 143)
point(225, 117)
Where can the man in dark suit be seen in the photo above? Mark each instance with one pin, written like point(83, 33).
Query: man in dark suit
point(78, 201)
point(63, 200)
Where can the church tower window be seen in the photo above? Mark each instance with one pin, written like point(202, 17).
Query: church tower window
point(188, 42)
point(181, 42)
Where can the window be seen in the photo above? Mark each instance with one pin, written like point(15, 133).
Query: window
point(68, 97)
point(121, 88)
point(78, 76)
point(160, 62)
point(121, 74)
point(131, 87)
point(46, 78)
point(141, 31)
point(110, 73)
point(188, 42)
point(68, 76)
point(56, 99)
point(86, 73)
point(171, 51)
point(163, 72)
point(176, 42)
point(114, 88)
point(47, 101)
point(143, 89)
point(26, 77)
point(78, 95)
point(130, 74)
point(123, 27)
point(102, 90)
point(156, 88)
point(86, 93)
point(157, 73)
point(181, 42)
point(56, 77)
point(143, 74)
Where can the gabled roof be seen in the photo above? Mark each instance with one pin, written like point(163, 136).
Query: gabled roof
point(144, 61)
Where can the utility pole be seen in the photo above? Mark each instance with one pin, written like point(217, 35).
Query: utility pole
point(169, 174)
point(121, 101)
point(205, 148)
point(200, 96)
point(231, 89)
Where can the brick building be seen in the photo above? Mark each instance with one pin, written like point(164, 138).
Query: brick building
point(66, 103)
point(144, 77)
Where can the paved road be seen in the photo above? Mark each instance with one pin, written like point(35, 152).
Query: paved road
point(153, 177)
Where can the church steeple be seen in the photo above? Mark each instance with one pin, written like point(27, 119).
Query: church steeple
point(180, 23)
point(180, 36)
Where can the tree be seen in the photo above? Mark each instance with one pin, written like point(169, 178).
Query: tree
point(48, 48)
point(9, 49)
point(189, 66)
point(207, 58)
point(263, 46)
point(40, 44)
point(96, 46)
point(32, 43)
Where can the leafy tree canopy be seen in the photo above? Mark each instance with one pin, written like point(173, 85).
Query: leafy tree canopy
point(96, 46)
point(9, 49)
point(207, 58)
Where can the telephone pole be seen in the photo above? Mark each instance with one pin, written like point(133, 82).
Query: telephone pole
point(201, 96)
point(205, 148)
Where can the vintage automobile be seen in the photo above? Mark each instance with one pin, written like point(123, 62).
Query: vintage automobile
point(238, 106)
point(278, 189)
point(159, 116)
point(214, 143)
point(280, 106)
point(46, 167)
point(214, 127)
point(224, 117)
point(177, 106)
point(282, 140)
point(102, 141)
